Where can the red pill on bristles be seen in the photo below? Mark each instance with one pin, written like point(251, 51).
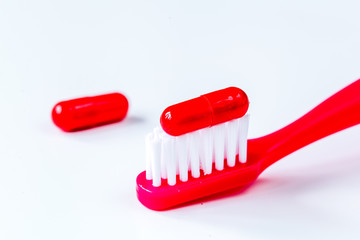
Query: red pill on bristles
point(204, 111)
point(86, 112)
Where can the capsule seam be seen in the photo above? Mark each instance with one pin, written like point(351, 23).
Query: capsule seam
point(211, 110)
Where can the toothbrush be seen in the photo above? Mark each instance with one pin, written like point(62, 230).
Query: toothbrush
point(338, 112)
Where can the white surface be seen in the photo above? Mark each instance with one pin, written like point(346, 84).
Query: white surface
point(287, 57)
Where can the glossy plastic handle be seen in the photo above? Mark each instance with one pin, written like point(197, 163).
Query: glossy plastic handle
point(340, 111)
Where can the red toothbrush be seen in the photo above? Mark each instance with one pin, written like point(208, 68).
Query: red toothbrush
point(340, 111)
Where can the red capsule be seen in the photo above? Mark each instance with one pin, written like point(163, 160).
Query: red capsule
point(87, 112)
point(204, 111)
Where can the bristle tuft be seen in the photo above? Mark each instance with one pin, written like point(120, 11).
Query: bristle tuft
point(168, 156)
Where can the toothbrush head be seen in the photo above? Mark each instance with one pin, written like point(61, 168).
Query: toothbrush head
point(200, 150)
point(167, 196)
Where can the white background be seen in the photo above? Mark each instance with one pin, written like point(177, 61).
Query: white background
point(287, 56)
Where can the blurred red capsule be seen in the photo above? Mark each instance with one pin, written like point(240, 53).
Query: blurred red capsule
point(87, 112)
point(205, 111)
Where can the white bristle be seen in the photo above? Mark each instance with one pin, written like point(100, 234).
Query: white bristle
point(232, 141)
point(156, 160)
point(243, 132)
point(163, 158)
point(168, 150)
point(168, 156)
point(149, 155)
point(182, 158)
point(219, 145)
point(206, 150)
point(193, 151)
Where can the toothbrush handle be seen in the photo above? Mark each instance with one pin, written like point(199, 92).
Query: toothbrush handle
point(338, 112)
